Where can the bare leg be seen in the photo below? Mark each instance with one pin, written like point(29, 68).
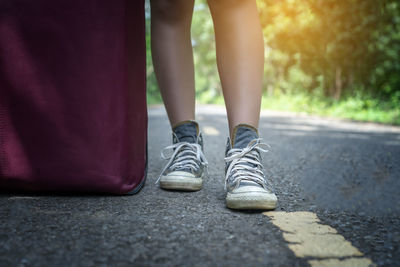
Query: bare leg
point(240, 57)
point(173, 56)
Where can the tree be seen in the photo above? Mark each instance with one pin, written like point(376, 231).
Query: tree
point(351, 44)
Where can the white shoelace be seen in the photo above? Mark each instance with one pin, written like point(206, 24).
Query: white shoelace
point(191, 154)
point(239, 168)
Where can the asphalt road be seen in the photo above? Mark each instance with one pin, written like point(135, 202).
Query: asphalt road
point(346, 174)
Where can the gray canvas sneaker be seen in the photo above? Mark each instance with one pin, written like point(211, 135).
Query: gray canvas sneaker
point(187, 163)
point(245, 181)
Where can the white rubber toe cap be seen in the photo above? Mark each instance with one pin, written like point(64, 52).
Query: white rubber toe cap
point(251, 197)
point(180, 180)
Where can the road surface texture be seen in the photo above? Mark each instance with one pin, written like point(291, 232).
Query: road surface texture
point(337, 184)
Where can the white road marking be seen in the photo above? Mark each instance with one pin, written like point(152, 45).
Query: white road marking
point(308, 237)
point(22, 198)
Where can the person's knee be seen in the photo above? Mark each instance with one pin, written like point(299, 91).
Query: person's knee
point(226, 5)
point(172, 11)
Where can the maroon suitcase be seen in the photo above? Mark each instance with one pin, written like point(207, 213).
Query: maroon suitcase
point(73, 111)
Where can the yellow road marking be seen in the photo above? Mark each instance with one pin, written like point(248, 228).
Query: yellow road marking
point(209, 130)
point(308, 237)
point(352, 262)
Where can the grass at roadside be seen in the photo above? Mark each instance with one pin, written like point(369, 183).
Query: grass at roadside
point(360, 109)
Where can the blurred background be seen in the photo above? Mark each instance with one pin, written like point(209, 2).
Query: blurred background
point(323, 57)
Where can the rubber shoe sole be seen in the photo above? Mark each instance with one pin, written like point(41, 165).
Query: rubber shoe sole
point(181, 182)
point(251, 201)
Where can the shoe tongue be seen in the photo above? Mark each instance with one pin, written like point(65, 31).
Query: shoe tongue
point(243, 134)
point(187, 131)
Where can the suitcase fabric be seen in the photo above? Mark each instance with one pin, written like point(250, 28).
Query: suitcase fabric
point(73, 111)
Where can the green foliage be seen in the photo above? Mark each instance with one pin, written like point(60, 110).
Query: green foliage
point(153, 93)
point(327, 57)
point(208, 86)
point(341, 46)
